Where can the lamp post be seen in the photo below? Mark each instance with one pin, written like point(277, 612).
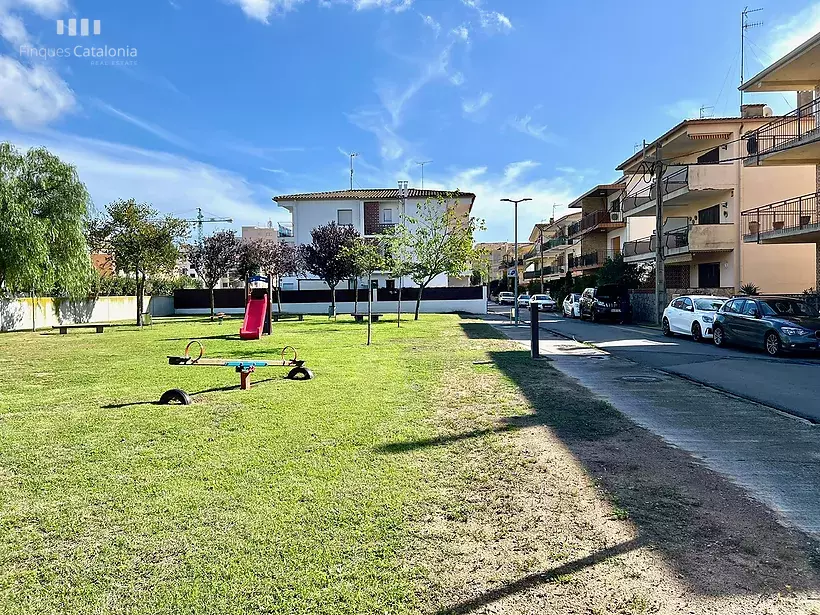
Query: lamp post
point(515, 282)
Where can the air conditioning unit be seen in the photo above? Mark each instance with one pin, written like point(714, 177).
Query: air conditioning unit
point(615, 216)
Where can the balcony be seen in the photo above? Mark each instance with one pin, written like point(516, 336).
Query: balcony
point(791, 139)
point(684, 240)
point(795, 220)
point(590, 260)
point(555, 242)
point(696, 184)
point(378, 228)
point(597, 220)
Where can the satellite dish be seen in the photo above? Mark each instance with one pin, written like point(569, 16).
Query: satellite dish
point(767, 111)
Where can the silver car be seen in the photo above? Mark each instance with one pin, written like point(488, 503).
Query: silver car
point(545, 303)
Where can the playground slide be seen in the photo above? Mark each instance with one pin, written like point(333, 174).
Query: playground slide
point(254, 318)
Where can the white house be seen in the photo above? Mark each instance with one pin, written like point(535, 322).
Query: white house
point(370, 212)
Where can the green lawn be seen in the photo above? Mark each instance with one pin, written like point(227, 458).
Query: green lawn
point(277, 499)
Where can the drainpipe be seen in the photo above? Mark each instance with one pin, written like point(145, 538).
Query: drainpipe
point(738, 254)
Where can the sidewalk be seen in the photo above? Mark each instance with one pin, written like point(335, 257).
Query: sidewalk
point(775, 457)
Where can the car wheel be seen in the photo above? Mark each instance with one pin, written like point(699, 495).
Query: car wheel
point(697, 334)
point(773, 347)
point(665, 328)
point(718, 337)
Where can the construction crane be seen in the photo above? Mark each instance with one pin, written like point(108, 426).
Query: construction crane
point(200, 220)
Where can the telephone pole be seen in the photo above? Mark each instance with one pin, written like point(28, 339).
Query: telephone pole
point(660, 272)
point(352, 156)
point(745, 25)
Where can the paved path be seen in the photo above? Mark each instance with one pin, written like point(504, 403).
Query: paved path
point(774, 456)
point(789, 384)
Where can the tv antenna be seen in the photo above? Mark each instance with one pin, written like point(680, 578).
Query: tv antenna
point(745, 25)
point(706, 111)
point(421, 164)
point(352, 156)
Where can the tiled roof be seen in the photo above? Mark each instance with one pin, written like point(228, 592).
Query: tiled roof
point(375, 193)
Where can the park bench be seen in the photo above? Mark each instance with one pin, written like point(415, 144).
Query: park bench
point(100, 327)
point(361, 316)
point(277, 316)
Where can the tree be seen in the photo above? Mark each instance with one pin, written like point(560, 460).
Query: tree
point(214, 258)
point(616, 271)
point(397, 261)
point(269, 258)
point(43, 222)
point(436, 241)
point(367, 257)
point(324, 257)
point(141, 242)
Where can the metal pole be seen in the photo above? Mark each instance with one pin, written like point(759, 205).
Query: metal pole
point(541, 242)
point(660, 274)
point(535, 351)
point(515, 264)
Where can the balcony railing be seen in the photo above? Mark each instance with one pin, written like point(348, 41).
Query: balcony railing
point(378, 228)
point(686, 238)
point(590, 221)
point(793, 215)
point(285, 229)
point(783, 133)
point(675, 178)
point(554, 243)
point(531, 275)
point(591, 259)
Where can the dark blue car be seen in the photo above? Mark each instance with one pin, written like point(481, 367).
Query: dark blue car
point(775, 324)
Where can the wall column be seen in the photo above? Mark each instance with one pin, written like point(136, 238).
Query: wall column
point(817, 270)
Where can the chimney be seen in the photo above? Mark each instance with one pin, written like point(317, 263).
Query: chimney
point(804, 98)
point(755, 110)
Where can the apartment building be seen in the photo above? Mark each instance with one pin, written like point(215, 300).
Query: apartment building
point(789, 221)
point(551, 250)
point(706, 187)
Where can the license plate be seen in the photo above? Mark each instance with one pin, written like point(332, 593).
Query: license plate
point(616, 310)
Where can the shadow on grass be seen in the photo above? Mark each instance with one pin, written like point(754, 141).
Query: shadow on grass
point(232, 387)
point(225, 336)
point(719, 540)
point(539, 578)
point(477, 330)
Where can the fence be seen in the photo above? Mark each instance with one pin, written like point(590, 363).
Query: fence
point(470, 299)
point(799, 213)
point(24, 313)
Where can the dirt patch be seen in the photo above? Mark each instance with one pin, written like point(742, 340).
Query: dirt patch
point(550, 501)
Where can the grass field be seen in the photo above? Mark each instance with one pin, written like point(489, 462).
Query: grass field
point(270, 500)
point(438, 471)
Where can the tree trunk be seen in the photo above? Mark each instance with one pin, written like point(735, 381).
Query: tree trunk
point(398, 310)
point(333, 300)
point(140, 287)
point(356, 295)
point(418, 302)
point(212, 302)
point(369, 307)
point(279, 298)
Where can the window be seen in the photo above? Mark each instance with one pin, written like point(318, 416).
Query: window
point(734, 307)
point(616, 205)
point(687, 304)
point(677, 276)
point(709, 275)
point(710, 157)
point(710, 215)
point(750, 309)
point(387, 216)
point(344, 217)
point(678, 303)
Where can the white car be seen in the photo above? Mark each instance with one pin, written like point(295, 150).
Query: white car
point(572, 306)
point(524, 300)
point(506, 297)
point(545, 303)
point(691, 315)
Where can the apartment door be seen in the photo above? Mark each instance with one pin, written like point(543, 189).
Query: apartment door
point(710, 215)
point(615, 246)
point(709, 275)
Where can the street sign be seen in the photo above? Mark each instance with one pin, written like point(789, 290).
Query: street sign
point(257, 278)
point(513, 272)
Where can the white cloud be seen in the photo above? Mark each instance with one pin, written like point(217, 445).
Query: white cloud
point(13, 30)
point(32, 96)
point(685, 109)
point(516, 169)
point(155, 130)
point(461, 32)
point(490, 20)
point(475, 105)
point(457, 78)
point(790, 34)
point(171, 183)
point(262, 10)
point(431, 23)
point(526, 126)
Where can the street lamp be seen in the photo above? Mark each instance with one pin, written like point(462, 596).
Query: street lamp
point(515, 282)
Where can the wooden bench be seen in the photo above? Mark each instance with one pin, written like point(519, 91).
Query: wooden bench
point(361, 317)
point(100, 327)
point(277, 316)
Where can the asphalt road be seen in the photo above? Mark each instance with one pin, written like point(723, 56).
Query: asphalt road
point(790, 384)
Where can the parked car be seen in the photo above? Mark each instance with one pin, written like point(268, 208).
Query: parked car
point(572, 306)
point(524, 300)
point(691, 315)
point(775, 324)
point(506, 297)
point(609, 302)
point(545, 303)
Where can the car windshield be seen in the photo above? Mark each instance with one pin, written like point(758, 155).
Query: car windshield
point(787, 307)
point(709, 305)
point(540, 297)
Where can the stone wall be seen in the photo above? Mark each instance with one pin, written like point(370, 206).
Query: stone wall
point(643, 300)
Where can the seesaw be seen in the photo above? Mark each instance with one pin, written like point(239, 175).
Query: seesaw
point(243, 367)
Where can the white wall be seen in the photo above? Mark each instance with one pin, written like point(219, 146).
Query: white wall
point(24, 314)
point(472, 306)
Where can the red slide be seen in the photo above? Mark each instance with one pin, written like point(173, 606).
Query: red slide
point(254, 318)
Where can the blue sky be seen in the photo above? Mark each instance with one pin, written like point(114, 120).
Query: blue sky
point(229, 102)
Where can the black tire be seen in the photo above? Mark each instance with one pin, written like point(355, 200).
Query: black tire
point(300, 373)
point(697, 334)
point(665, 328)
point(175, 396)
point(719, 337)
point(772, 345)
